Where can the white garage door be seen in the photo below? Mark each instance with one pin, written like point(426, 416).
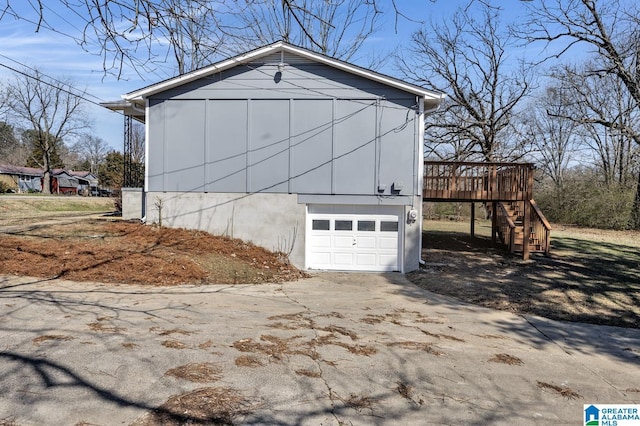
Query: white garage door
point(353, 238)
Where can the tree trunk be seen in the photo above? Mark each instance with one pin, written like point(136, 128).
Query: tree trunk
point(46, 182)
point(634, 221)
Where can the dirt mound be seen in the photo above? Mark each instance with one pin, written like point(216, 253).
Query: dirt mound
point(126, 252)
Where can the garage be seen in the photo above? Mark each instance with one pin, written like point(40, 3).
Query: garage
point(353, 238)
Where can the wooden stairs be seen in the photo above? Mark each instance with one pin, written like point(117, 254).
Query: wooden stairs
point(520, 222)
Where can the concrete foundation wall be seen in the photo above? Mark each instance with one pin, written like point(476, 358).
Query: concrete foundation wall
point(132, 199)
point(412, 240)
point(273, 221)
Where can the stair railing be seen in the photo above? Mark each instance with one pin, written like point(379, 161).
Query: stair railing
point(506, 228)
point(540, 227)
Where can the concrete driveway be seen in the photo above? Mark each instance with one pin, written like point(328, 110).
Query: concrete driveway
point(334, 349)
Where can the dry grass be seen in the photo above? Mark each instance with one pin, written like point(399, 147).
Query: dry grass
point(174, 344)
point(164, 332)
point(362, 350)
point(339, 330)
point(205, 406)
point(308, 373)
point(421, 346)
point(248, 361)
point(100, 326)
point(205, 372)
point(205, 345)
point(491, 336)
point(591, 275)
point(372, 319)
point(506, 359)
point(560, 390)
point(49, 337)
point(442, 336)
point(358, 402)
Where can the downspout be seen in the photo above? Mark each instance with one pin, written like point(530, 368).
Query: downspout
point(420, 170)
point(145, 188)
point(421, 130)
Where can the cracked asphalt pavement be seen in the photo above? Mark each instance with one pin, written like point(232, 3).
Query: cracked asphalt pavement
point(334, 349)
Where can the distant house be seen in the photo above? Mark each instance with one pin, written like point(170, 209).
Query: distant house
point(87, 182)
point(292, 150)
point(62, 182)
point(21, 179)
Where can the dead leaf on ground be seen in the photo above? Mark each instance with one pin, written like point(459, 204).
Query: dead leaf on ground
point(308, 373)
point(358, 402)
point(560, 390)
point(422, 346)
point(204, 372)
point(205, 345)
point(165, 332)
point(248, 361)
point(174, 344)
point(442, 336)
point(339, 330)
point(205, 406)
point(100, 326)
point(506, 359)
point(48, 337)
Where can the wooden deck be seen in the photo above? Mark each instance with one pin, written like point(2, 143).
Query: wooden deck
point(507, 191)
point(467, 181)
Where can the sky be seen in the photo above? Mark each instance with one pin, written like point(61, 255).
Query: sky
point(56, 53)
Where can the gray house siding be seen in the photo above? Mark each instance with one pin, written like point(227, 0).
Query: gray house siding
point(289, 136)
point(293, 151)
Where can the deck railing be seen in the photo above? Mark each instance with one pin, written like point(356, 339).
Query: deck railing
point(540, 228)
point(505, 227)
point(469, 181)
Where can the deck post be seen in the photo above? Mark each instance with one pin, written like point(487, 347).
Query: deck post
point(526, 232)
point(473, 220)
point(494, 221)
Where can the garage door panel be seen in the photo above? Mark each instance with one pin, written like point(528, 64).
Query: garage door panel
point(364, 259)
point(364, 238)
point(320, 258)
point(368, 242)
point(387, 243)
point(388, 260)
point(343, 259)
point(343, 242)
point(321, 241)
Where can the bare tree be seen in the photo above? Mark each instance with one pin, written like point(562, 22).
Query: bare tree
point(336, 28)
point(611, 30)
point(50, 112)
point(467, 58)
point(137, 143)
point(143, 34)
point(92, 149)
point(190, 29)
point(606, 116)
point(553, 135)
